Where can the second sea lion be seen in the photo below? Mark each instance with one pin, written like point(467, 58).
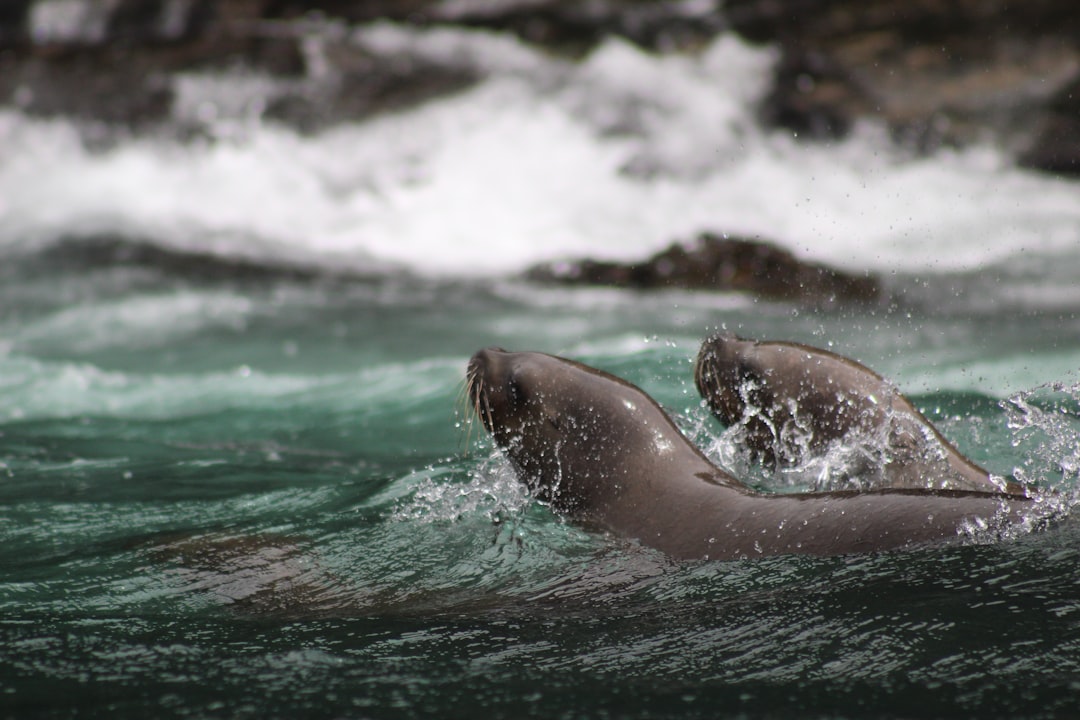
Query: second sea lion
point(795, 400)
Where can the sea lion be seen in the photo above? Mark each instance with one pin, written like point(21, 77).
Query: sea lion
point(601, 451)
point(795, 400)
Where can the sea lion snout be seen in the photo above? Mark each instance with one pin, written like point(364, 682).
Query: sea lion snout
point(484, 357)
point(477, 384)
point(487, 381)
point(486, 364)
point(718, 376)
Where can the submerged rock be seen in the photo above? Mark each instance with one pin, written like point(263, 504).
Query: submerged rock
point(721, 264)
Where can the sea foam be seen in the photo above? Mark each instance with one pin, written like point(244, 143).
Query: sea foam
point(614, 156)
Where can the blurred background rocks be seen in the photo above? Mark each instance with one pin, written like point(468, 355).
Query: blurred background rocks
point(935, 72)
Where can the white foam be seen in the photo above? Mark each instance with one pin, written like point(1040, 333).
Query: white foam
point(613, 157)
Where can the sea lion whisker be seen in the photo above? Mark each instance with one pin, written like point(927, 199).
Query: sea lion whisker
point(477, 398)
point(483, 407)
point(460, 411)
point(473, 393)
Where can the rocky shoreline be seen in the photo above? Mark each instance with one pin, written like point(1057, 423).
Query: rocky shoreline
point(935, 72)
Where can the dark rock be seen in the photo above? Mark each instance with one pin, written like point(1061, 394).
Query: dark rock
point(116, 63)
point(935, 71)
point(363, 85)
point(119, 65)
point(13, 23)
point(89, 84)
point(124, 75)
point(575, 27)
point(721, 264)
point(569, 26)
point(1056, 145)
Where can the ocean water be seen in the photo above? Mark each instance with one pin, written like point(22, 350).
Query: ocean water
point(237, 472)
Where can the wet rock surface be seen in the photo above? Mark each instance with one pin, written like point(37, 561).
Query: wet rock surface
point(719, 263)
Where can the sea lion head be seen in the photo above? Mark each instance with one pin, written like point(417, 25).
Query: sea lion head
point(738, 388)
point(575, 435)
point(723, 376)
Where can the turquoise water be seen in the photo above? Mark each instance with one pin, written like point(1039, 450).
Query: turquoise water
point(237, 475)
point(239, 498)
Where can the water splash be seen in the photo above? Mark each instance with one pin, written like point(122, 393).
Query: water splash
point(1045, 424)
point(1043, 428)
point(492, 490)
point(858, 460)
